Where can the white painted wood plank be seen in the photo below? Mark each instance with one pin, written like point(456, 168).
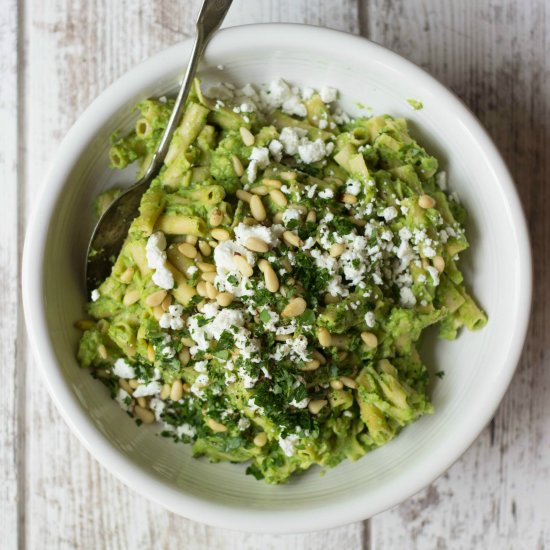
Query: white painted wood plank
point(76, 48)
point(494, 54)
point(9, 304)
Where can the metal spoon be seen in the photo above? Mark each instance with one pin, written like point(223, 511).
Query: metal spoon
point(112, 228)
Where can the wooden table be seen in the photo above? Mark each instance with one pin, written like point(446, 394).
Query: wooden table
point(56, 56)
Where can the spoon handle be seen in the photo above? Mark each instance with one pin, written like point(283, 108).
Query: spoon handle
point(209, 20)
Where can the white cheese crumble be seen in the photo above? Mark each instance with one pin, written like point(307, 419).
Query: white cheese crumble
point(152, 388)
point(291, 214)
point(122, 369)
point(269, 235)
point(353, 187)
point(172, 318)
point(328, 94)
point(95, 295)
point(370, 319)
point(389, 213)
point(288, 444)
point(156, 260)
point(326, 193)
point(124, 399)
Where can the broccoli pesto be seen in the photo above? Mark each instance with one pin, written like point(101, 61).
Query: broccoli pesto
point(268, 301)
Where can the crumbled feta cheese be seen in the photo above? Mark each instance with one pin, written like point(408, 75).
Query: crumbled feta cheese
point(300, 404)
point(186, 429)
point(243, 424)
point(353, 187)
point(389, 213)
point(152, 388)
point(290, 138)
point(156, 259)
point(370, 319)
point(95, 295)
point(291, 214)
point(327, 193)
point(407, 297)
point(288, 444)
point(261, 156)
point(434, 274)
point(276, 149)
point(122, 369)
point(328, 94)
point(124, 399)
point(312, 151)
point(269, 235)
point(294, 106)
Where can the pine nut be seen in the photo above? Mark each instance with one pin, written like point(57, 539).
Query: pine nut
point(102, 351)
point(184, 356)
point(243, 266)
point(206, 267)
point(288, 175)
point(155, 298)
point(316, 405)
point(191, 239)
point(176, 391)
point(165, 392)
point(131, 297)
point(158, 312)
point(209, 276)
point(145, 415)
point(224, 298)
point(439, 263)
point(250, 221)
point(220, 234)
point(348, 382)
point(272, 183)
point(256, 245)
point(336, 384)
point(311, 216)
point(127, 276)
point(257, 208)
point(337, 250)
point(216, 426)
point(425, 201)
point(201, 288)
point(314, 364)
point(324, 337)
point(186, 388)
point(330, 299)
point(237, 166)
point(247, 136)
point(278, 217)
point(205, 248)
point(189, 342)
point(300, 207)
point(370, 339)
point(142, 402)
point(347, 198)
point(286, 264)
point(271, 279)
point(188, 250)
point(211, 291)
point(133, 383)
point(295, 307)
point(215, 217)
point(151, 353)
point(243, 195)
point(125, 386)
point(166, 303)
point(260, 190)
point(320, 357)
point(261, 439)
point(292, 239)
point(278, 198)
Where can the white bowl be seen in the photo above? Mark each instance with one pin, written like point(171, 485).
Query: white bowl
point(478, 366)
